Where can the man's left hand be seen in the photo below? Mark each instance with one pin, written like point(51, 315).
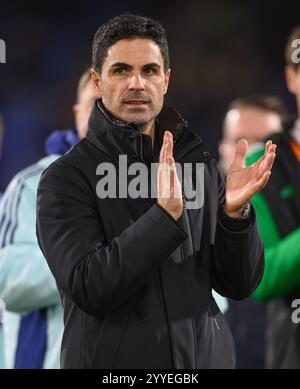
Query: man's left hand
point(244, 182)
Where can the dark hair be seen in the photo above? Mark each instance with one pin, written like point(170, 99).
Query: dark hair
point(266, 103)
point(128, 26)
point(289, 49)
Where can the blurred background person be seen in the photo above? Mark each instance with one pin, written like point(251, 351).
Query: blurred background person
point(278, 214)
point(253, 118)
point(34, 323)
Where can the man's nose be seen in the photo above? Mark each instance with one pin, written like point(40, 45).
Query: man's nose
point(136, 82)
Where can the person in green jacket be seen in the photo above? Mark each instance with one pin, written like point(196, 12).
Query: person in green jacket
point(253, 118)
point(278, 215)
point(33, 322)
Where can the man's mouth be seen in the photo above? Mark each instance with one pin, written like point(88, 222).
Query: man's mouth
point(136, 102)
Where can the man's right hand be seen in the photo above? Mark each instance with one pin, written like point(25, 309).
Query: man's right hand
point(168, 185)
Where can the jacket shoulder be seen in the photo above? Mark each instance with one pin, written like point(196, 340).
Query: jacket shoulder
point(68, 175)
point(66, 162)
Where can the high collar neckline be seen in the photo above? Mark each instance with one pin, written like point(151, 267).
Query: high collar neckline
point(102, 120)
point(112, 119)
point(115, 137)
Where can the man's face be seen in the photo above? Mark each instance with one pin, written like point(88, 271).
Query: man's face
point(250, 123)
point(133, 81)
point(82, 109)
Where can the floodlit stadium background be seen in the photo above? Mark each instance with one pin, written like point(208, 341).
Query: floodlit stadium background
point(219, 50)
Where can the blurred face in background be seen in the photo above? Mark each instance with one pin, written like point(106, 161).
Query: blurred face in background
point(87, 94)
point(251, 123)
point(133, 81)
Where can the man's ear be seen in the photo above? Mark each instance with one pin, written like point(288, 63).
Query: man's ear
point(96, 80)
point(167, 79)
point(290, 78)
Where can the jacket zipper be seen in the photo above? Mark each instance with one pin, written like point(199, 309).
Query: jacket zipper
point(185, 283)
point(217, 325)
point(141, 148)
point(192, 319)
point(171, 335)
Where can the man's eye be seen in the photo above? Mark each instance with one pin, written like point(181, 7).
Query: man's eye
point(149, 71)
point(120, 71)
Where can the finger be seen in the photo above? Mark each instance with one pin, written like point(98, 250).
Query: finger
point(261, 183)
point(168, 178)
point(166, 142)
point(268, 161)
point(163, 149)
point(270, 148)
point(161, 154)
point(169, 145)
point(165, 181)
point(267, 146)
point(172, 177)
point(240, 154)
point(164, 176)
point(160, 184)
point(175, 183)
point(261, 159)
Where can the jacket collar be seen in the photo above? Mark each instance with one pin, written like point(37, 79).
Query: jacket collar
point(114, 136)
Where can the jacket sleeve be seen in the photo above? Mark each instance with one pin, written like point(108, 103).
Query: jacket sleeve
point(26, 282)
point(96, 274)
point(238, 255)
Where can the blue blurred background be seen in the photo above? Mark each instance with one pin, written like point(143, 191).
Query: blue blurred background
point(219, 51)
